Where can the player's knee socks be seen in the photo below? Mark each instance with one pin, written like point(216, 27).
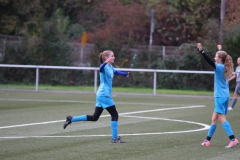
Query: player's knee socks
point(234, 101)
point(227, 128)
point(79, 118)
point(211, 130)
point(114, 127)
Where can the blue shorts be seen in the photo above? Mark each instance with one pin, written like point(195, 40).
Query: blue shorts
point(221, 105)
point(104, 102)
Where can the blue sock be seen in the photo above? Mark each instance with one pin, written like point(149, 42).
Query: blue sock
point(227, 128)
point(79, 118)
point(211, 130)
point(114, 127)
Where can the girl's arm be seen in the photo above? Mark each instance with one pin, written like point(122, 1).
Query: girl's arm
point(125, 74)
point(208, 59)
point(101, 69)
point(199, 45)
point(234, 76)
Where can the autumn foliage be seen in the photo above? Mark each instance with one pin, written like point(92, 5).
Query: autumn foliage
point(232, 13)
point(120, 23)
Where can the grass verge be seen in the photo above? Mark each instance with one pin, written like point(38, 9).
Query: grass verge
point(115, 89)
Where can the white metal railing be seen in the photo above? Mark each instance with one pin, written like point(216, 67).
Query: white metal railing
point(95, 69)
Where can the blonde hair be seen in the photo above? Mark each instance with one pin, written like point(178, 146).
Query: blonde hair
point(103, 55)
point(227, 61)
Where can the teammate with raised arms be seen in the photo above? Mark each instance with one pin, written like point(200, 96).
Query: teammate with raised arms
point(223, 68)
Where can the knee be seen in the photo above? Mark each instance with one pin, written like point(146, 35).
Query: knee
point(214, 121)
point(92, 118)
point(115, 117)
point(95, 118)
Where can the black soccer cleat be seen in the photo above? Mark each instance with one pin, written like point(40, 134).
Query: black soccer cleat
point(118, 140)
point(67, 122)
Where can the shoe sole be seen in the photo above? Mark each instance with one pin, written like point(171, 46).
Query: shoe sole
point(205, 145)
point(231, 146)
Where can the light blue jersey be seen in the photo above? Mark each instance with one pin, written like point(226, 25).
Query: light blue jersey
point(106, 78)
point(221, 87)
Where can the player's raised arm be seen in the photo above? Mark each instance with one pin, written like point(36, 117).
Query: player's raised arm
point(200, 48)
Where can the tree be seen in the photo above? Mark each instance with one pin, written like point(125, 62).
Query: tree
point(44, 43)
point(232, 13)
point(120, 23)
point(181, 21)
point(15, 13)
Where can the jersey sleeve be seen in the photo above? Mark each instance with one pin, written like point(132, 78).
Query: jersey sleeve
point(101, 68)
point(121, 73)
point(208, 59)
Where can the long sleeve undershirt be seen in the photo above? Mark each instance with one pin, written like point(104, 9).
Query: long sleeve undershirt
point(116, 72)
point(208, 59)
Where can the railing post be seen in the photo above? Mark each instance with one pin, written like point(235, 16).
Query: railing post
point(154, 82)
point(164, 52)
point(37, 77)
point(95, 80)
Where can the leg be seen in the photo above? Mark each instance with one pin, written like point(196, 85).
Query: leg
point(223, 103)
point(94, 117)
point(234, 101)
point(113, 112)
point(227, 127)
point(98, 111)
point(235, 96)
point(213, 126)
point(114, 124)
point(114, 121)
point(211, 130)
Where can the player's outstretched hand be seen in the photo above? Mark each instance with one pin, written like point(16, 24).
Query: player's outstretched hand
point(127, 75)
point(219, 46)
point(199, 46)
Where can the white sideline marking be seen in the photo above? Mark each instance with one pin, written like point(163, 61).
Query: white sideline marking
point(163, 109)
point(88, 102)
point(145, 111)
point(30, 124)
point(174, 120)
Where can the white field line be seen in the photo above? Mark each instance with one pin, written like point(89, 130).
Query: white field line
point(163, 109)
point(173, 120)
point(205, 127)
point(88, 102)
point(127, 113)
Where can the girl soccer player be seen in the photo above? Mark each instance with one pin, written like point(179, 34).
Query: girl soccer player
point(223, 68)
point(103, 97)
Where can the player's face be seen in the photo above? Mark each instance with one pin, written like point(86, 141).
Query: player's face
point(238, 61)
point(217, 59)
point(111, 57)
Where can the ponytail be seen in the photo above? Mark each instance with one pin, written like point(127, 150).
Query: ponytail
point(228, 67)
point(227, 61)
point(101, 58)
